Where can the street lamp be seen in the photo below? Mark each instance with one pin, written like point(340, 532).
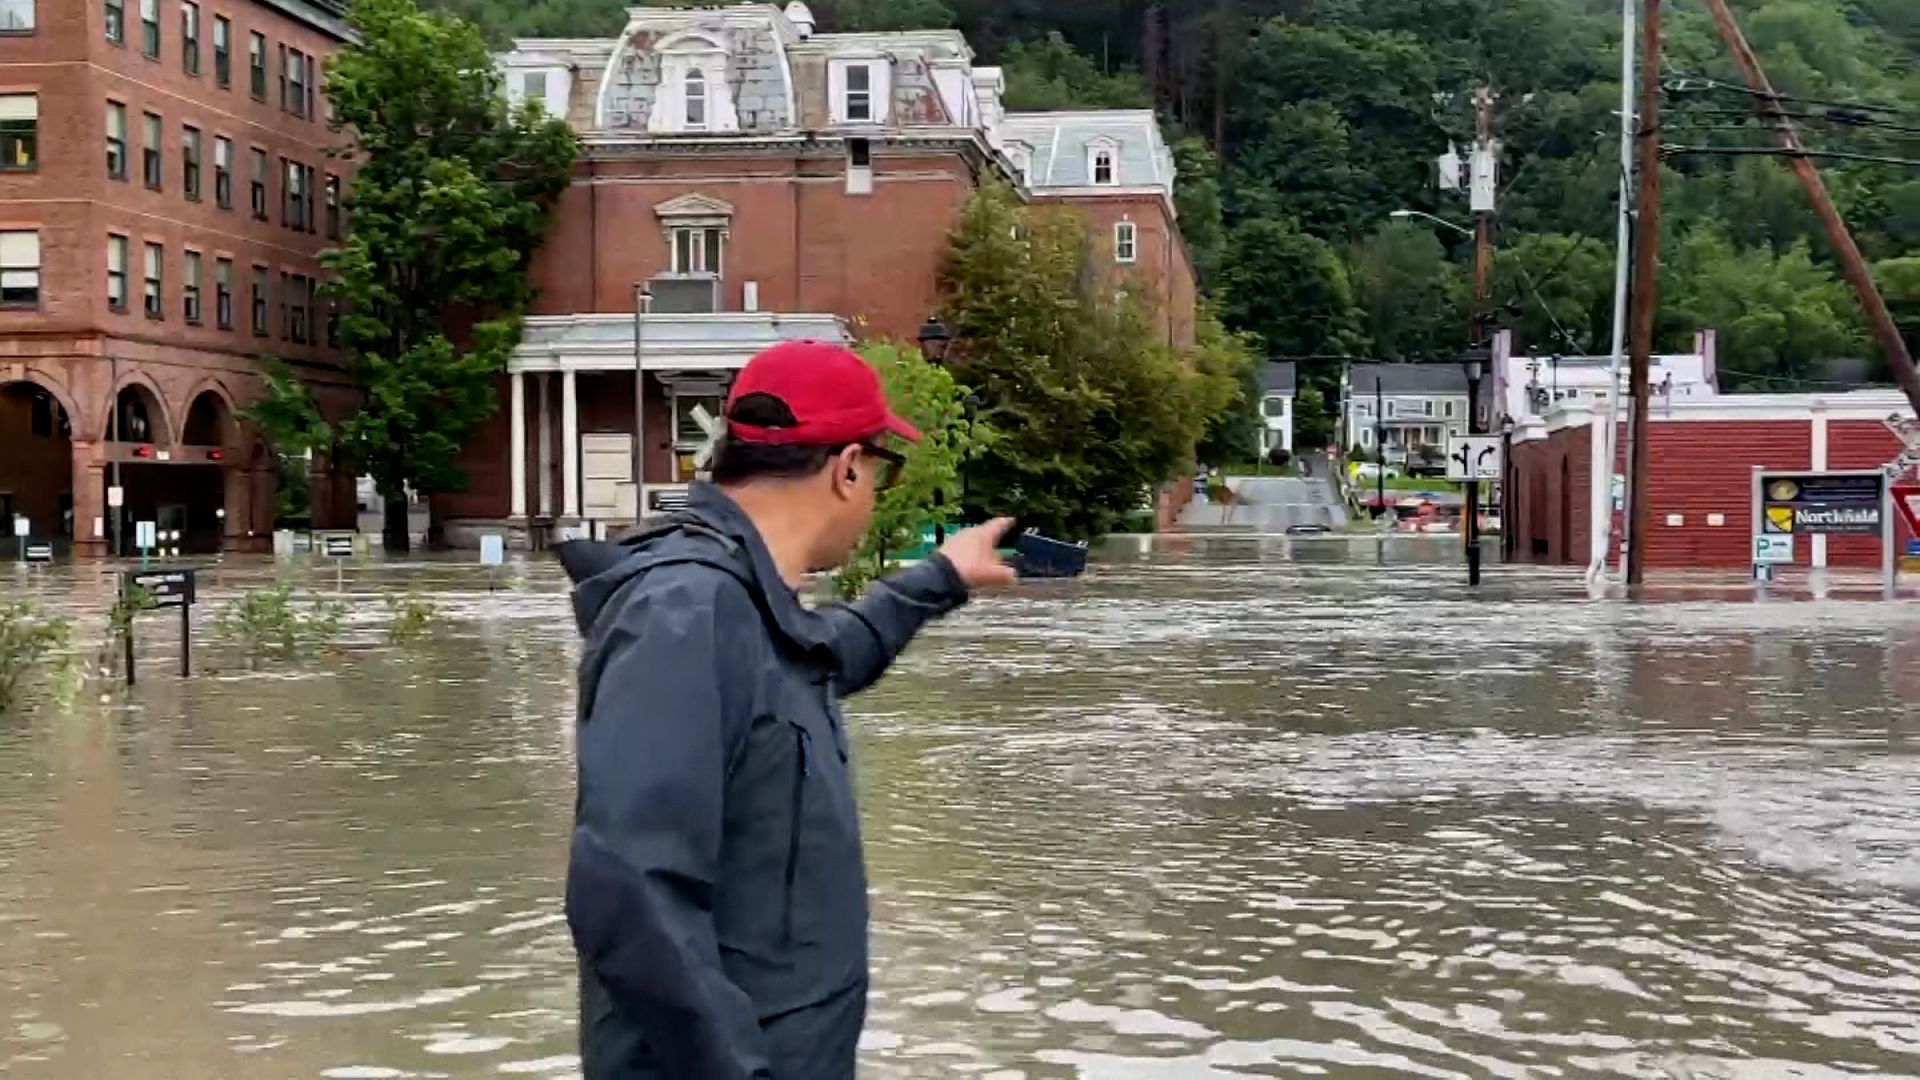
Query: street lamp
point(935, 340)
point(1403, 215)
point(1475, 369)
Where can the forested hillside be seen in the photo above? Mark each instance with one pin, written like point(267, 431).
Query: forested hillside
point(1307, 122)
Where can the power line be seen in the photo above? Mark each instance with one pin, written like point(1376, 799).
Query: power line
point(1675, 150)
point(1683, 83)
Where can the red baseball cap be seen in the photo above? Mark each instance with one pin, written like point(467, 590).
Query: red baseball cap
point(835, 396)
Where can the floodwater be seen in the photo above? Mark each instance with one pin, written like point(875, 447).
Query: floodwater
point(1229, 808)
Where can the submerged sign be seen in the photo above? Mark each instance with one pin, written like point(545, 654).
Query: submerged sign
point(1822, 504)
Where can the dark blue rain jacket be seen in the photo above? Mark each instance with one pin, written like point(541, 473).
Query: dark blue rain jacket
point(715, 890)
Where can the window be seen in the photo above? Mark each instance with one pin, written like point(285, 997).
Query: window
point(223, 293)
point(696, 100)
point(859, 94)
point(296, 83)
point(860, 153)
point(19, 132)
point(309, 180)
point(696, 251)
point(117, 272)
point(533, 87)
point(150, 28)
point(190, 162)
point(150, 152)
point(259, 188)
point(1126, 242)
point(150, 294)
point(222, 51)
point(1426, 407)
point(333, 207)
point(333, 324)
point(116, 11)
point(223, 172)
point(116, 141)
point(1103, 168)
point(190, 37)
point(1390, 408)
point(20, 269)
point(259, 301)
point(1366, 438)
point(190, 287)
point(283, 78)
point(313, 86)
point(16, 16)
point(257, 65)
point(1446, 409)
point(297, 201)
point(298, 291)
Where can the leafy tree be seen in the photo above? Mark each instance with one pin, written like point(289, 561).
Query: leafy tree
point(928, 491)
point(1556, 292)
point(1047, 73)
point(450, 200)
point(1900, 283)
point(1290, 290)
point(1082, 413)
point(1413, 299)
point(1780, 316)
point(1232, 434)
point(1196, 197)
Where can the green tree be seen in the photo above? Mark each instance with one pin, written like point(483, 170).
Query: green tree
point(1228, 361)
point(1196, 197)
point(1412, 298)
point(450, 200)
point(1047, 73)
point(1082, 412)
point(1900, 283)
point(1290, 290)
point(928, 490)
point(1555, 292)
point(1779, 316)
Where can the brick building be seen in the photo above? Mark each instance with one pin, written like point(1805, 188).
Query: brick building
point(764, 181)
point(165, 189)
point(1700, 498)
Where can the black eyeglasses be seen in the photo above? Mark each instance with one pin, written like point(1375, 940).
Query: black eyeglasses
point(891, 465)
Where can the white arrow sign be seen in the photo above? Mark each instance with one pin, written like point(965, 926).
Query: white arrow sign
point(1473, 457)
point(714, 427)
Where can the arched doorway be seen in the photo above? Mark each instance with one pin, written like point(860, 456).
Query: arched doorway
point(140, 463)
point(207, 481)
point(36, 465)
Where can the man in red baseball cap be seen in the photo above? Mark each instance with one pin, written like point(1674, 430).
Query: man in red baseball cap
point(715, 888)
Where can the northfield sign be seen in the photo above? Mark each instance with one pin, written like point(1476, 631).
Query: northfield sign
point(1822, 504)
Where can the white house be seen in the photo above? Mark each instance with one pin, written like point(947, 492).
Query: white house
point(1529, 384)
point(1279, 383)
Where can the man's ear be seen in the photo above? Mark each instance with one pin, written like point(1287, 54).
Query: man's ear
point(845, 469)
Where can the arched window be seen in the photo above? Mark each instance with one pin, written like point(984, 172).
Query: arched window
point(1103, 167)
point(696, 98)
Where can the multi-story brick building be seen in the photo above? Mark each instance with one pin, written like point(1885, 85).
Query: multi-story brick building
point(167, 182)
point(761, 180)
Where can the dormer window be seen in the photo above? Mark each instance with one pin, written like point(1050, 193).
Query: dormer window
point(1103, 162)
point(860, 94)
point(696, 99)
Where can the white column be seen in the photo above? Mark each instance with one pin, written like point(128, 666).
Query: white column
point(570, 444)
point(1601, 448)
point(1819, 463)
point(544, 430)
point(517, 443)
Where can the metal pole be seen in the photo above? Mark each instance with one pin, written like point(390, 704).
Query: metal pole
point(1645, 293)
point(1889, 538)
point(641, 296)
point(1380, 442)
point(186, 641)
point(1473, 486)
point(1852, 263)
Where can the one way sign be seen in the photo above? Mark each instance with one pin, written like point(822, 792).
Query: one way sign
point(1473, 457)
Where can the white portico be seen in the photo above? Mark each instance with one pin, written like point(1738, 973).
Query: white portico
point(571, 407)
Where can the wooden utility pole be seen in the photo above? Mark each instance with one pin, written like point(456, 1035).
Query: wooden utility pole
point(1646, 294)
point(1852, 263)
point(1483, 212)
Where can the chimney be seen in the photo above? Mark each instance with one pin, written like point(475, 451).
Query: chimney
point(801, 16)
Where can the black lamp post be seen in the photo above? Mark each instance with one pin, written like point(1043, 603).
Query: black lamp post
point(1474, 368)
point(935, 340)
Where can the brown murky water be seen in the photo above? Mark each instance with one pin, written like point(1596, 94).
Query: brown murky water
point(1228, 809)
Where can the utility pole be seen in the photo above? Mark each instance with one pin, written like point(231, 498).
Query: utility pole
point(1646, 266)
point(1380, 440)
point(1852, 263)
point(1485, 196)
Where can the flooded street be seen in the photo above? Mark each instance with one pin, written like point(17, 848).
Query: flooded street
point(1230, 808)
